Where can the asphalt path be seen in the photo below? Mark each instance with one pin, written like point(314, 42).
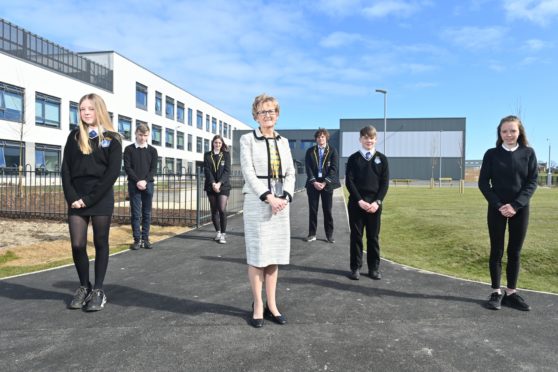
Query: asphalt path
point(185, 306)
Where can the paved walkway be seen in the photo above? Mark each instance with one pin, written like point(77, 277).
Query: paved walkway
point(185, 305)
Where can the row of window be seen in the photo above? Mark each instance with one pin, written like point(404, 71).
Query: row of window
point(182, 114)
point(47, 113)
point(48, 158)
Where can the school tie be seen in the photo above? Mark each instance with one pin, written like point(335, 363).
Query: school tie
point(92, 134)
point(320, 162)
point(368, 156)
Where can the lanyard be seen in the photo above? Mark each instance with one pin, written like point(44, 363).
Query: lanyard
point(215, 165)
point(326, 152)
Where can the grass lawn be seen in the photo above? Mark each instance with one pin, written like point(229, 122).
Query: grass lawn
point(443, 231)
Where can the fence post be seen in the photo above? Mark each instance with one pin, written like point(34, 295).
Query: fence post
point(198, 197)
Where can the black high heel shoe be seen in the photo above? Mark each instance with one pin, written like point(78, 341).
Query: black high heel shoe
point(256, 323)
point(280, 319)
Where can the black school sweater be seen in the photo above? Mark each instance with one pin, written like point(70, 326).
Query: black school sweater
point(508, 176)
point(140, 163)
point(90, 177)
point(367, 180)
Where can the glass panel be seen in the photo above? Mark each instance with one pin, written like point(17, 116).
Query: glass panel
point(52, 113)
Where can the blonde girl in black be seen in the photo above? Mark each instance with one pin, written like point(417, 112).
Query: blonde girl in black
point(91, 165)
point(217, 168)
point(508, 179)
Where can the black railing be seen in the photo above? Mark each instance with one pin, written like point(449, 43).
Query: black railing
point(179, 198)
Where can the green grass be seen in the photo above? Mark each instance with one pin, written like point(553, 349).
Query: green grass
point(7, 270)
point(444, 231)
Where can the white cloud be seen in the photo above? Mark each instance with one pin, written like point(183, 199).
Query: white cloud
point(541, 12)
point(476, 38)
point(339, 39)
point(537, 45)
point(385, 8)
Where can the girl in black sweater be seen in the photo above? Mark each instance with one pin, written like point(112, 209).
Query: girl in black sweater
point(508, 179)
point(217, 168)
point(91, 165)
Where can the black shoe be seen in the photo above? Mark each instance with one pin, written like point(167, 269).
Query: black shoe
point(256, 323)
point(311, 238)
point(355, 275)
point(495, 301)
point(80, 297)
point(136, 245)
point(515, 301)
point(147, 244)
point(279, 319)
point(330, 240)
point(96, 300)
point(375, 274)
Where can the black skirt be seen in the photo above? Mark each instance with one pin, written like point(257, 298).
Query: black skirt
point(104, 207)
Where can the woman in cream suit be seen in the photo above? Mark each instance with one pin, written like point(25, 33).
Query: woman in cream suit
point(269, 175)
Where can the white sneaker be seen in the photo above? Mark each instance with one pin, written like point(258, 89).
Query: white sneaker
point(223, 238)
point(218, 236)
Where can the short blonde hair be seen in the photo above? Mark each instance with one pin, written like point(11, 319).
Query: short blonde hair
point(368, 131)
point(260, 100)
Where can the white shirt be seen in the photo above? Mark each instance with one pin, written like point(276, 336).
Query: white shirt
point(512, 149)
point(144, 146)
point(363, 152)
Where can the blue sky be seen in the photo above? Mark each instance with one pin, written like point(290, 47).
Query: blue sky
point(323, 59)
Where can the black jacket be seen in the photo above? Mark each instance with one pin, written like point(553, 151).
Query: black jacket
point(367, 180)
point(330, 168)
point(217, 169)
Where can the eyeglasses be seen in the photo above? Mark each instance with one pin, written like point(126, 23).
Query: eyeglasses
point(265, 113)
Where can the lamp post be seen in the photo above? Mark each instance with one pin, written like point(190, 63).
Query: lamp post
point(549, 174)
point(384, 92)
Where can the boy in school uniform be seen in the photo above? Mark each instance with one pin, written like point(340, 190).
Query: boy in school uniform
point(367, 180)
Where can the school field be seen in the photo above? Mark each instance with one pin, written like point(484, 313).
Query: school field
point(444, 231)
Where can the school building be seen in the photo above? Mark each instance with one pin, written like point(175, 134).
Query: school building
point(41, 83)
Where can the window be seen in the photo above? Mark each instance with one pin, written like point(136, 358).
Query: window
point(190, 166)
point(169, 108)
point(141, 96)
point(199, 119)
point(190, 117)
point(199, 143)
point(11, 102)
point(205, 145)
point(125, 127)
point(169, 165)
point(9, 154)
point(47, 158)
point(74, 115)
point(207, 123)
point(231, 130)
point(169, 138)
point(156, 133)
point(47, 110)
point(306, 144)
point(159, 165)
point(189, 142)
point(179, 167)
point(158, 103)
point(213, 125)
point(225, 130)
point(221, 127)
point(179, 140)
point(180, 112)
point(292, 144)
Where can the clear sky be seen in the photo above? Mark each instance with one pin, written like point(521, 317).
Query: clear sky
point(323, 59)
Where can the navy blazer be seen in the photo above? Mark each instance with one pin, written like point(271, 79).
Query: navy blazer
point(330, 167)
point(217, 171)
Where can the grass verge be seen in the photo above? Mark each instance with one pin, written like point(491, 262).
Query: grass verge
point(444, 231)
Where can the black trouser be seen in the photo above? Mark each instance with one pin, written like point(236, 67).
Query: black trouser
point(140, 206)
point(517, 230)
point(358, 221)
point(313, 203)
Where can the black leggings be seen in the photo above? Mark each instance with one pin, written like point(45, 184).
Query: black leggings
point(218, 203)
point(78, 236)
point(517, 230)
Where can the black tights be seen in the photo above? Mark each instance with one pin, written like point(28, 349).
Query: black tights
point(78, 236)
point(218, 205)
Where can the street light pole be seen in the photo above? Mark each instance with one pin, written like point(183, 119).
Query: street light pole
point(549, 174)
point(384, 92)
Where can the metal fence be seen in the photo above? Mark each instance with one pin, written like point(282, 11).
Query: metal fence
point(179, 198)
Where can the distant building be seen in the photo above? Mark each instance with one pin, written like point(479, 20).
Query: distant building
point(415, 147)
point(41, 83)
